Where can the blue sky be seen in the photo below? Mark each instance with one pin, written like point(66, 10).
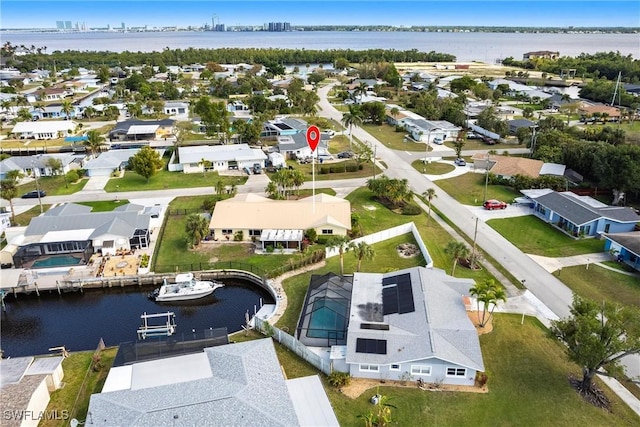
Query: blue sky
point(95, 13)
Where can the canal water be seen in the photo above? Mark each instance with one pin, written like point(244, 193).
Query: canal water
point(31, 324)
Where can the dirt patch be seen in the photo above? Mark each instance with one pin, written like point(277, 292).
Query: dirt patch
point(358, 386)
point(474, 316)
point(407, 250)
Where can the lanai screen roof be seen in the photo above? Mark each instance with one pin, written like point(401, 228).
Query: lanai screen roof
point(281, 235)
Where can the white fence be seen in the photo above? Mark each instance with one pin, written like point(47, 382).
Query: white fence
point(296, 346)
point(383, 235)
point(174, 167)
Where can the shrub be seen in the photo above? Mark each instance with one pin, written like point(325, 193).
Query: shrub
point(269, 249)
point(339, 379)
point(238, 236)
point(360, 167)
point(72, 176)
point(144, 261)
point(411, 209)
point(352, 168)
point(311, 234)
point(335, 169)
point(324, 170)
point(209, 204)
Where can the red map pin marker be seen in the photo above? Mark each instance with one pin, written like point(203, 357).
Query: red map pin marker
point(313, 137)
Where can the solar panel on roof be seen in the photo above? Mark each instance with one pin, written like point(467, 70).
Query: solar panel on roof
point(405, 298)
point(374, 326)
point(369, 346)
point(389, 300)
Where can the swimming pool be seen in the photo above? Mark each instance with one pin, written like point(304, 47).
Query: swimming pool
point(56, 261)
point(328, 319)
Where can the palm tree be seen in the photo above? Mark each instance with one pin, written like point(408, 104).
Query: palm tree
point(362, 250)
point(94, 141)
point(489, 293)
point(197, 227)
point(394, 112)
point(353, 117)
point(456, 250)
point(340, 242)
point(8, 191)
point(429, 194)
point(89, 112)
point(5, 105)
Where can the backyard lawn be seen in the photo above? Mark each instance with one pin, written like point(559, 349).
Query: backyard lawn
point(395, 140)
point(535, 393)
point(600, 284)
point(432, 168)
point(533, 236)
point(468, 189)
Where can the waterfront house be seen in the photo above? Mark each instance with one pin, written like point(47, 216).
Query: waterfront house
point(72, 230)
point(272, 222)
point(220, 157)
point(54, 111)
point(25, 387)
point(543, 54)
point(232, 385)
point(404, 325)
point(625, 247)
point(142, 130)
point(44, 129)
point(581, 216)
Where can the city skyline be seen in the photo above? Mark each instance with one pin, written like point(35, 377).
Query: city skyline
point(166, 13)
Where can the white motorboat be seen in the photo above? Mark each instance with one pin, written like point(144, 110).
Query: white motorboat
point(186, 287)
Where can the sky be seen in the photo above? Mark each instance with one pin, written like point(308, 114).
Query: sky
point(531, 13)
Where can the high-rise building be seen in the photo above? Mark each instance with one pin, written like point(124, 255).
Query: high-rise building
point(219, 27)
point(278, 26)
point(68, 25)
point(60, 25)
point(123, 27)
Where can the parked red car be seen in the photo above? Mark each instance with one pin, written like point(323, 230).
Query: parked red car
point(494, 204)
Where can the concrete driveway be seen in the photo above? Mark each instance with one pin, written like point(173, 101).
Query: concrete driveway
point(96, 184)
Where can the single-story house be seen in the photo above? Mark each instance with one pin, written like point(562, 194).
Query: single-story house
point(136, 130)
point(279, 221)
point(519, 89)
point(110, 161)
point(399, 115)
point(422, 130)
point(54, 111)
point(53, 94)
point(556, 101)
point(605, 112)
point(232, 385)
point(296, 146)
point(174, 108)
point(283, 127)
point(40, 164)
point(625, 247)
point(411, 324)
point(516, 124)
point(73, 230)
point(507, 166)
point(545, 54)
point(44, 129)
point(581, 216)
point(25, 387)
point(221, 157)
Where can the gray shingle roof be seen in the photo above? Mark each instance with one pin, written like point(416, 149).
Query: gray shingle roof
point(246, 388)
point(439, 327)
point(630, 240)
point(571, 207)
point(300, 141)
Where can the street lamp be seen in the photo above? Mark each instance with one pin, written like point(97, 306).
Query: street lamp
point(33, 169)
point(117, 189)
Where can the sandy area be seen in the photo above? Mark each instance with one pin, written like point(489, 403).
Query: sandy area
point(126, 265)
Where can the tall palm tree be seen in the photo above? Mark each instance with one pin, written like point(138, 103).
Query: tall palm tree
point(342, 243)
point(8, 191)
point(353, 117)
point(362, 250)
point(456, 250)
point(429, 194)
point(67, 108)
point(94, 141)
point(489, 293)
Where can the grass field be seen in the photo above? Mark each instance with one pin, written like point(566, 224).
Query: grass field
point(600, 284)
point(392, 139)
point(533, 236)
point(432, 168)
point(468, 189)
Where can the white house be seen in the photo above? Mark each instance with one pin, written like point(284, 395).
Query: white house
point(177, 109)
point(427, 131)
point(296, 146)
point(220, 157)
point(44, 129)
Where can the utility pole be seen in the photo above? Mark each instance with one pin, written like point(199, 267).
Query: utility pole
point(33, 168)
point(473, 251)
point(486, 180)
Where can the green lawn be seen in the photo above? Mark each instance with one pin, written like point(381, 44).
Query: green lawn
point(366, 171)
point(165, 179)
point(75, 368)
point(104, 206)
point(392, 139)
point(527, 386)
point(24, 218)
point(600, 284)
point(53, 186)
point(533, 236)
point(432, 168)
point(468, 189)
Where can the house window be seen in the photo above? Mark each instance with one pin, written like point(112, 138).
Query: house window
point(327, 231)
point(606, 228)
point(256, 233)
point(369, 368)
point(227, 231)
point(456, 372)
point(394, 367)
point(420, 370)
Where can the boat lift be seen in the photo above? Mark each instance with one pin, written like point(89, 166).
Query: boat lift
point(166, 329)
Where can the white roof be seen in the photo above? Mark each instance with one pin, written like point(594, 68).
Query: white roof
point(552, 169)
point(220, 153)
point(67, 235)
point(310, 402)
point(171, 370)
point(44, 365)
point(142, 129)
point(281, 235)
point(119, 378)
point(44, 126)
